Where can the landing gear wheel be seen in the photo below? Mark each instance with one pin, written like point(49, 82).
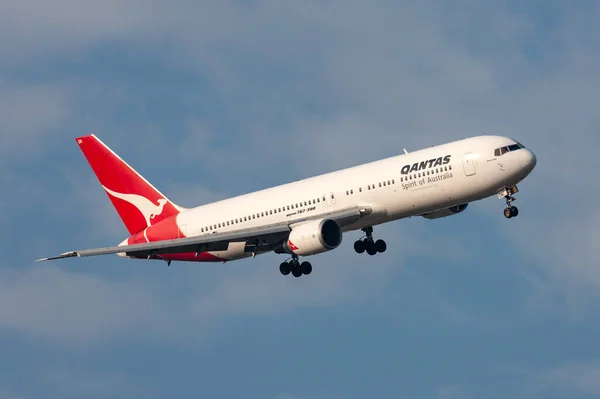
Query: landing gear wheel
point(306, 268)
point(285, 268)
point(515, 211)
point(296, 269)
point(371, 248)
point(381, 246)
point(359, 246)
point(296, 272)
point(508, 213)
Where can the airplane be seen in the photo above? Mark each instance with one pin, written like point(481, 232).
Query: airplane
point(309, 216)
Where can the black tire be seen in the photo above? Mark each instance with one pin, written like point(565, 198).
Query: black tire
point(285, 268)
point(515, 211)
point(371, 249)
point(296, 270)
point(508, 213)
point(359, 246)
point(381, 246)
point(306, 268)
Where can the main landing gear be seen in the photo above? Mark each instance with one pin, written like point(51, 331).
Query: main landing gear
point(295, 267)
point(510, 211)
point(368, 244)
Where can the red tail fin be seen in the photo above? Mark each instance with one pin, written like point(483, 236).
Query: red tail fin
point(138, 203)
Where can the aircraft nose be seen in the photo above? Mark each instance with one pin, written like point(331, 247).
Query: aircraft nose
point(527, 159)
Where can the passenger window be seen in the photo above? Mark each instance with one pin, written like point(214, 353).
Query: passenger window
point(351, 191)
point(450, 167)
point(360, 189)
point(379, 184)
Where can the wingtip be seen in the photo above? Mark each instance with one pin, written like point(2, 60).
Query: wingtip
point(70, 254)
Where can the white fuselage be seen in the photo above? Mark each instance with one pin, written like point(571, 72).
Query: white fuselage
point(444, 176)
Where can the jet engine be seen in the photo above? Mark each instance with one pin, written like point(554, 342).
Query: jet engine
point(312, 237)
point(441, 213)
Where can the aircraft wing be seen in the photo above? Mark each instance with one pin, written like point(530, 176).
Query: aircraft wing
point(257, 237)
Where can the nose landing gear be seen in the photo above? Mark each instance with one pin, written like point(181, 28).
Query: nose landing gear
point(510, 211)
point(368, 244)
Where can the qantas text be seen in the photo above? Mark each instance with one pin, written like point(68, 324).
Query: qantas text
point(432, 163)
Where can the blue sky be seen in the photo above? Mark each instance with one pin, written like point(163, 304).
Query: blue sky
point(217, 98)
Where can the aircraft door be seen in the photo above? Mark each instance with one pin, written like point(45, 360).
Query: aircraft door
point(469, 164)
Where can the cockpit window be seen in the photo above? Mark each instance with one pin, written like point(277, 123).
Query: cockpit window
point(503, 150)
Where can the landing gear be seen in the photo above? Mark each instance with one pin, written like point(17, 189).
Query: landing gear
point(285, 268)
point(359, 246)
point(510, 211)
point(295, 267)
point(306, 268)
point(368, 244)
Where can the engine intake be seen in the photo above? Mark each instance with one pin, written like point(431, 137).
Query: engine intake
point(313, 237)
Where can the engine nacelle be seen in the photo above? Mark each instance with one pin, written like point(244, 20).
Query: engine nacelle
point(441, 213)
point(313, 237)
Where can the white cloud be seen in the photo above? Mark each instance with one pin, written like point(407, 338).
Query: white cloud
point(73, 308)
point(68, 383)
point(28, 115)
point(572, 379)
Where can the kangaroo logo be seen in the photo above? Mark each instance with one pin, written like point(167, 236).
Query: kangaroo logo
point(144, 205)
point(292, 246)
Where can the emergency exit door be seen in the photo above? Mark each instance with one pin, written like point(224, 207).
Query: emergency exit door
point(469, 164)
